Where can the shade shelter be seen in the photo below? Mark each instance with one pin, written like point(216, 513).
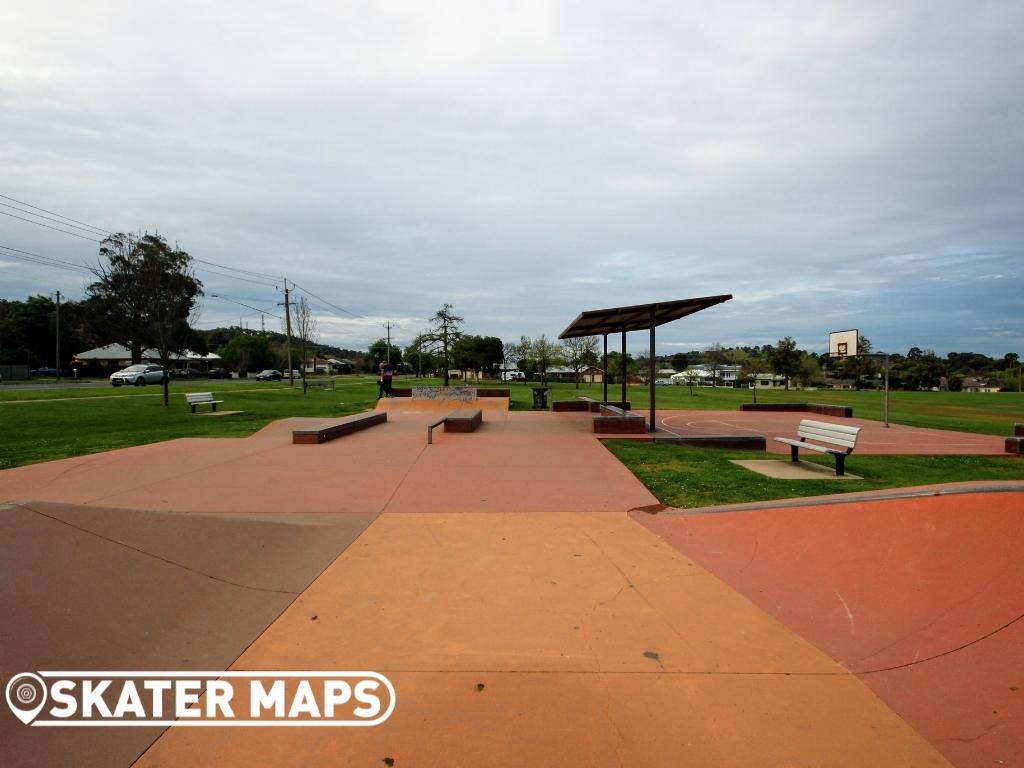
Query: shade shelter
point(638, 317)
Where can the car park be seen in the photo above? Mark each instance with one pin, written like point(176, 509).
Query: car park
point(138, 375)
point(269, 375)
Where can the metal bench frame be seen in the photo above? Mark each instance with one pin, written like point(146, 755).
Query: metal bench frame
point(823, 432)
point(201, 398)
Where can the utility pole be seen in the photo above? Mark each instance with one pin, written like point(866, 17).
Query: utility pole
point(58, 336)
point(263, 324)
point(288, 332)
point(387, 349)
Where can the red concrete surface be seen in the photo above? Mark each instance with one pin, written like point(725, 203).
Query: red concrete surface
point(525, 461)
point(874, 438)
point(923, 598)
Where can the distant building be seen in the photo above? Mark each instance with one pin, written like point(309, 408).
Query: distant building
point(705, 376)
point(975, 384)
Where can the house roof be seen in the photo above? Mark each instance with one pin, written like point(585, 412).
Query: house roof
point(637, 317)
point(121, 352)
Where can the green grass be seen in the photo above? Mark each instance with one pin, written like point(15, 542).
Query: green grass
point(687, 477)
point(984, 413)
point(51, 424)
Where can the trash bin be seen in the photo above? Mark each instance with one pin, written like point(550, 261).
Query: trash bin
point(540, 397)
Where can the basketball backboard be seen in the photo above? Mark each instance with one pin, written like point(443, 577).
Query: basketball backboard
point(843, 343)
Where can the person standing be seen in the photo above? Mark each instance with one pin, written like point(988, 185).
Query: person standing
point(386, 378)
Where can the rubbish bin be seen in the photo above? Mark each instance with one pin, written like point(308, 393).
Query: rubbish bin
point(540, 397)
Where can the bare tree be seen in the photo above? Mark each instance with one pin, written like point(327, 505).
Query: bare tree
point(580, 353)
point(307, 329)
point(715, 357)
point(445, 329)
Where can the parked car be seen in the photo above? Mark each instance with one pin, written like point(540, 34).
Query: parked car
point(663, 382)
point(44, 371)
point(513, 376)
point(292, 374)
point(219, 373)
point(269, 375)
point(139, 375)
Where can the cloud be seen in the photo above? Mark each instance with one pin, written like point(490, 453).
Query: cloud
point(831, 164)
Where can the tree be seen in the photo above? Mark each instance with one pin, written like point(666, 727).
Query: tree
point(580, 353)
point(691, 378)
point(377, 353)
point(445, 329)
point(307, 330)
point(153, 288)
point(785, 359)
point(245, 353)
point(679, 361)
point(715, 357)
point(545, 354)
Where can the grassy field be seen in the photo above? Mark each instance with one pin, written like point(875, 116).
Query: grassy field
point(40, 425)
point(687, 477)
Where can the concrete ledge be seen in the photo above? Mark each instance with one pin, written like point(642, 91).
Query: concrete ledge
point(619, 425)
point(842, 411)
point(401, 391)
point(1015, 445)
point(595, 405)
point(466, 420)
point(332, 429)
point(1018, 430)
point(493, 392)
point(570, 405)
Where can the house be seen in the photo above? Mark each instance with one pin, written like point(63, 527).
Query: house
point(705, 376)
point(589, 375)
point(113, 357)
point(975, 384)
point(769, 380)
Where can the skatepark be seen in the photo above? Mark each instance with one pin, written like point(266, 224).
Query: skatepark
point(514, 585)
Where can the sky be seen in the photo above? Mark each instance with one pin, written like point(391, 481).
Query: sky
point(832, 165)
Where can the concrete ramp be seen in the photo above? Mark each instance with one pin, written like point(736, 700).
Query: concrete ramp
point(922, 598)
point(415, 405)
point(88, 588)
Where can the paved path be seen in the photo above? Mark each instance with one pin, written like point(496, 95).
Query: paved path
point(507, 559)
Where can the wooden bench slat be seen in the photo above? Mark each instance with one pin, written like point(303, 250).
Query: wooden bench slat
point(824, 432)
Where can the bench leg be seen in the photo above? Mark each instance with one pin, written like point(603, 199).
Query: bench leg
point(214, 406)
point(193, 408)
point(794, 454)
point(840, 464)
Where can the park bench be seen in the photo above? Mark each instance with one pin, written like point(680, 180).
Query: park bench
point(201, 398)
point(319, 384)
point(464, 420)
point(329, 430)
point(840, 441)
point(612, 419)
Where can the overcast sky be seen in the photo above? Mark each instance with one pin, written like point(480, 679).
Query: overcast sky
point(831, 165)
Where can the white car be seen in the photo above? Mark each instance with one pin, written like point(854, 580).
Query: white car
point(139, 375)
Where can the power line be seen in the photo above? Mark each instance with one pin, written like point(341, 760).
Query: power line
point(57, 229)
point(47, 261)
point(100, 230)
point(324, 301)
point(242, 304)
point(236, 269)
point(55, 220)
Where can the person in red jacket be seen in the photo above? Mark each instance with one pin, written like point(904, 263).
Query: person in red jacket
point(385, 381)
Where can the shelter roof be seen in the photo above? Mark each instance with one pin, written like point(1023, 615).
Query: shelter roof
point(637, 317)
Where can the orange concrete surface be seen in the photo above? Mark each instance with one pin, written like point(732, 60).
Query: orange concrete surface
point(505, 557)
point(874, 438)
point(596, 645)
point(923, 598)
point(514, 460)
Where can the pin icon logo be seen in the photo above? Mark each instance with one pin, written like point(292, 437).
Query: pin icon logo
point(26, 696)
